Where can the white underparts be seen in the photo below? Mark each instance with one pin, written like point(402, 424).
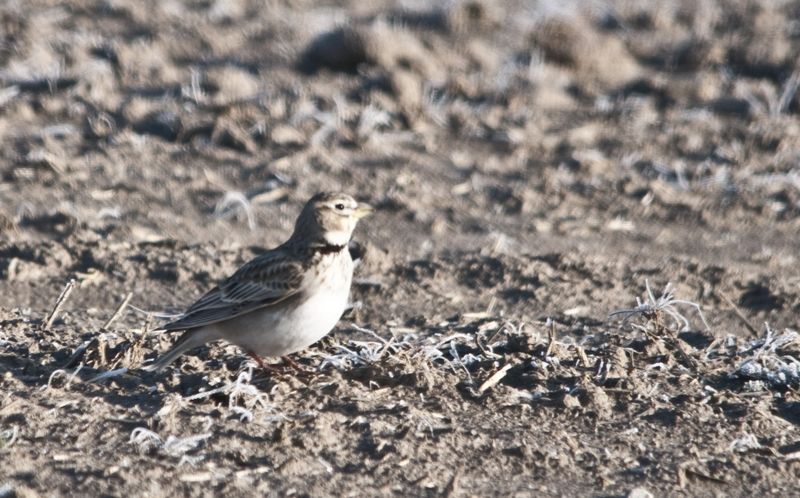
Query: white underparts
point(337, 238)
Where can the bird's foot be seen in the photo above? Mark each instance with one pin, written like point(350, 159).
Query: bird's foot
point(289, 366)
point(288, 360)
point(270, 369)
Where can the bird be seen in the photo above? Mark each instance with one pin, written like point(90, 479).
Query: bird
point(283, 300)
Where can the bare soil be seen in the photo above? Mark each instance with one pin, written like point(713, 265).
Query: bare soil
point(536, 167)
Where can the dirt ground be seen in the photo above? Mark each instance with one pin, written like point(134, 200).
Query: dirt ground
point(536, 167)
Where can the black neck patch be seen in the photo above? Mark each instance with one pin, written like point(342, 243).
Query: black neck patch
point(327, 249)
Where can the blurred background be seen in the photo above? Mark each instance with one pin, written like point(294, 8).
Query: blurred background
point(627, 132)
point(536, 165)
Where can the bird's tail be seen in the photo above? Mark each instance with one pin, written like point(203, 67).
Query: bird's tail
point(189, 340)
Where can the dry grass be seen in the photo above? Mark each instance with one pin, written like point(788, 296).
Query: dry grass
point(484, 132)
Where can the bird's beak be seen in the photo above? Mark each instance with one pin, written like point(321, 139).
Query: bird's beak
point(363, 210)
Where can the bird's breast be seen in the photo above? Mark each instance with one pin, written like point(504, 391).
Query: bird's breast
point(301, 322)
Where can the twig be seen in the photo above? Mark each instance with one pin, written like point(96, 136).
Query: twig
point(108, 375)
point(495, 378)
point(270, 195)
point(77, 354)
point(155, 314)
point(739, 313)
point(582, 355)
point(119, 311)
point(62, 373)
point(790, 87)
point(59, 303)
point(551, 337)
point(231, 204)
point(651, 308)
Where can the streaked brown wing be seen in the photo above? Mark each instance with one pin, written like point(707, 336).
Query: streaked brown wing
point(265, 281)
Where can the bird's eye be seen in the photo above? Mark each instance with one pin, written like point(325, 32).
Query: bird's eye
point(339, 207)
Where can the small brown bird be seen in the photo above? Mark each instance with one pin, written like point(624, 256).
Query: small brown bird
point(285, 299)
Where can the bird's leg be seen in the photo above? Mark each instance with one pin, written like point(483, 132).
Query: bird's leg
point(265, 366)
point(272, 369)
point(257, 360)
point(288, 360)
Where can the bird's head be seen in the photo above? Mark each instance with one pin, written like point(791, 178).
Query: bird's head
point(330, 218)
